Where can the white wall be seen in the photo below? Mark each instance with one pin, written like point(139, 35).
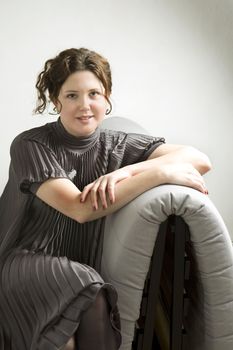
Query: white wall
point(172, 63)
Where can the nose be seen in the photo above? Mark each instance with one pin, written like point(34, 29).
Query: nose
point(84, 103)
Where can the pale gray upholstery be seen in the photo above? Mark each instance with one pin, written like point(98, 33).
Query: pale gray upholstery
point(129, 240)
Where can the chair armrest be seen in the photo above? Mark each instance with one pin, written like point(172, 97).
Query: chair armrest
point(129, 240)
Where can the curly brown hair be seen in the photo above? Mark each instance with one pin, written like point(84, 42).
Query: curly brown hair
point(59, 68)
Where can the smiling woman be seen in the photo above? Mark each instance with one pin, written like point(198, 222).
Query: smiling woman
point(65, 177)
point(82, 103)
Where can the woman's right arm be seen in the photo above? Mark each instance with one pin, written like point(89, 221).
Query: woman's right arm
point(63, 195)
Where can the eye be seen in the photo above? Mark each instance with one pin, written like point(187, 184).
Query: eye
point(72, 96)
point(94, 93)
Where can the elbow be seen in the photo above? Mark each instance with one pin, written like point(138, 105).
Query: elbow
point(81, 219)
point(78, 216)
point(200, 160)
point(84, 217)
point(208, 166)
point(89, 216)
point(82, 212)
point(85, 213)
point(205, 164)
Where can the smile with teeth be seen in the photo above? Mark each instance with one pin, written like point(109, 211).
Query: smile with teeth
point(85, 117)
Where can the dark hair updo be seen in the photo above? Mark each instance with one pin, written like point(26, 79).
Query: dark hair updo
point(58, 69)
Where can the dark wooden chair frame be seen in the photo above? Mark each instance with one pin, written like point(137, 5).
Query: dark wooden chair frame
point(175, 230)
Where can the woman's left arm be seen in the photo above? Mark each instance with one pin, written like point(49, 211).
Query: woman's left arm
point(172, 154)
point(164, 154)
point(180, 154)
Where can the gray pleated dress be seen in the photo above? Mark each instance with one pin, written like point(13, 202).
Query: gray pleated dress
point(49, 263)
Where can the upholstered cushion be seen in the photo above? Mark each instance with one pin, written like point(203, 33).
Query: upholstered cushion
point(129, 240)
point(130, 235)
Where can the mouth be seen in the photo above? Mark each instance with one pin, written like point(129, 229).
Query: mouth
point(85, 117)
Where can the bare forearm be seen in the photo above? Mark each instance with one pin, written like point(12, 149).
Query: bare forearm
point(174, 168)
point(63, 195)
point(125, 191)
point(180, 154)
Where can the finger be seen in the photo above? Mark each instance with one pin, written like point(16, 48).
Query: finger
point(94, 201)
point(111, 192)
point(102, 192)
point(203, 186)
point(85, 192)
point(200, 185)
point(94, 196)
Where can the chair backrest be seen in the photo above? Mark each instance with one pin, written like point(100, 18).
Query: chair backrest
point(132, 232)
point(123, 124)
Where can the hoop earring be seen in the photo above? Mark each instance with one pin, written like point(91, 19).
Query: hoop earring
point(108, 110)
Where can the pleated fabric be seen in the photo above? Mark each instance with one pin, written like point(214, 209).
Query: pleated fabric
point(49, 263)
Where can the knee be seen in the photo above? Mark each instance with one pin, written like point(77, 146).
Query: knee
point(101, 304)
point(70, 345)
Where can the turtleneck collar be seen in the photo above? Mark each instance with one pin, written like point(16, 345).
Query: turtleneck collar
point(75, 142)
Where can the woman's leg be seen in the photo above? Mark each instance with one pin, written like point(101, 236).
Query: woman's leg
point(95, 330)
point(70, 345)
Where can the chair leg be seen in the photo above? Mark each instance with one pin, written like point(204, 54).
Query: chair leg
point(179, 232)
point(153, 292)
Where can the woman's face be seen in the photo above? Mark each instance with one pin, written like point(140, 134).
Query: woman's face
point(83, 103)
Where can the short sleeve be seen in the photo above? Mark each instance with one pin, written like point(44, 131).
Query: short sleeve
point(133, 148)
point(33, 162)
point(141, 146)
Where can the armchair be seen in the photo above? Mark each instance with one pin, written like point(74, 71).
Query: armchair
point(130, 238)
